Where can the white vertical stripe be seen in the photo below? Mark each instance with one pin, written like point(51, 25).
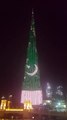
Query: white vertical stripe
point(34, 96)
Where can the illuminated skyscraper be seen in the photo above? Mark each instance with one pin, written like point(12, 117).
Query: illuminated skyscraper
point(48, 91)
point(59, 91)
point(31, 89)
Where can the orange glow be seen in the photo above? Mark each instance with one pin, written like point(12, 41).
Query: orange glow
point(27, 105)
point(14, 109)
point(3, 104)
point(8, 104)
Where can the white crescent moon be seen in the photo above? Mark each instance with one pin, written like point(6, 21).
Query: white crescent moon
point(34, 72)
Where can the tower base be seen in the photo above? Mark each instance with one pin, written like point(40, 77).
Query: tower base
point(34, 96)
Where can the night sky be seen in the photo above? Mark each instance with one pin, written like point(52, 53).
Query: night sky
point(51, 31)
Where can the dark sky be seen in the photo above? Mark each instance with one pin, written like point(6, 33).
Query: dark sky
point(51, 31)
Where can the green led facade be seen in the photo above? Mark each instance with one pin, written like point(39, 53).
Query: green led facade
point(32, 76)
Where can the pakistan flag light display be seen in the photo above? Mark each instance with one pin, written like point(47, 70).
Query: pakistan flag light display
point(31, 86)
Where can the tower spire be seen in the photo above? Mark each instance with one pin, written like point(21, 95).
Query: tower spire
point(32, 12)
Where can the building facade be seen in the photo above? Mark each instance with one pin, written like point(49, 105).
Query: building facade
point(31, 89)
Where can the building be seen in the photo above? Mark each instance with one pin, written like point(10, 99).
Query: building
point(31, 89)
point(3, 105)
point(48, 91)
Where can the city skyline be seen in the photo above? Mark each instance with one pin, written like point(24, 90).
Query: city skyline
point(50, 22)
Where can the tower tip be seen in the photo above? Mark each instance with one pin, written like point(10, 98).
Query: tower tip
point(32, 12)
